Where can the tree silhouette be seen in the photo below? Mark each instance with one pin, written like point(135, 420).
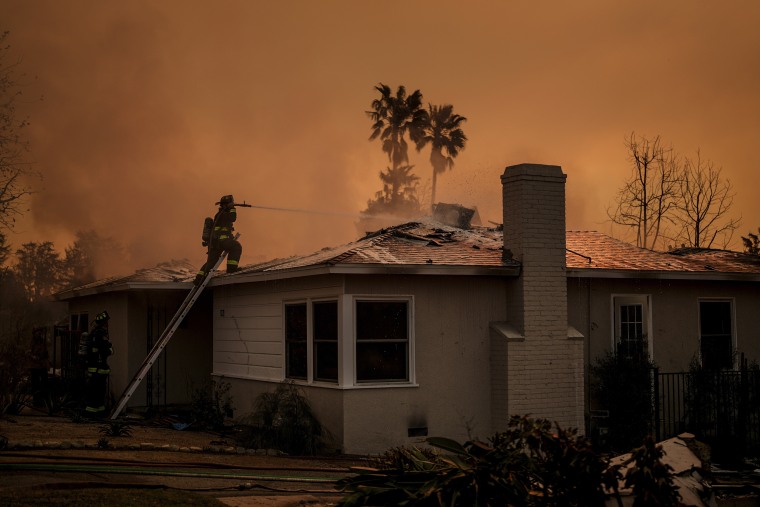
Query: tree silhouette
point(13, 145)
point(704, 200)
point(752, 242)
point(645, 201)
point(394, 118)
point(38, 269)
point(398, 196)
point(446, 138)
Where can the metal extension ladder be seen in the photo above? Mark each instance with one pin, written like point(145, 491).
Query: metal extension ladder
point(163, 340)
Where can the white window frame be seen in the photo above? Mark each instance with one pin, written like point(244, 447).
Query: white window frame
point(349, 362)
point(732, 302)
point(620, 300)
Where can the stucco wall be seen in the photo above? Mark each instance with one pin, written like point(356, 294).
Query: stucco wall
point(188, 355)
point(674, 311)
point(451, 395)
point(118, 329)
point(185, 363)
point(452, 345)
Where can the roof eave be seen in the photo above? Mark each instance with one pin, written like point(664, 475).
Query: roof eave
point(368, 269)
point(669, 275)
point(119, 287)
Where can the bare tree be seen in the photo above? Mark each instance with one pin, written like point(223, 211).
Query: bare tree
point(13, 146)
point(702, 209)
point(644, 203)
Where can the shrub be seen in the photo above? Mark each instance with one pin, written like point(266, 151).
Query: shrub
point(116, 429)
point(283, 420)
point(210, 404)
point(13, 377)
point(527, 465)
point(623, 386)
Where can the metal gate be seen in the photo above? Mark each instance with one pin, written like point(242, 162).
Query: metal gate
point(720, 406)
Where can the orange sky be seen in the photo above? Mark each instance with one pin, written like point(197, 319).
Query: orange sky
point(153, 110)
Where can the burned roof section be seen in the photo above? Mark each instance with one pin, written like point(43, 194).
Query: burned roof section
point(430, 247)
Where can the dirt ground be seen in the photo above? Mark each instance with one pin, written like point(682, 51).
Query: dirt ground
point(33, 438)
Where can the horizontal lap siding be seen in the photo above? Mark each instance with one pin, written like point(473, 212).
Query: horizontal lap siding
point(248, 334)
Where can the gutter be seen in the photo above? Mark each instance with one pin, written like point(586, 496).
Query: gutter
point(119, 287)
point(663, 275)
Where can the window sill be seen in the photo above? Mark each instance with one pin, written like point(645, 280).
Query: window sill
point(329, 385)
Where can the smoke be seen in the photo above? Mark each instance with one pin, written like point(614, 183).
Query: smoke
point(151, 111)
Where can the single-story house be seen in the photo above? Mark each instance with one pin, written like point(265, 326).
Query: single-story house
point(428, 329)
point(140, 306)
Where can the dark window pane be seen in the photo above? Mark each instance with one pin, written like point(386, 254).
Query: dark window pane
point(295, 341)
point(326, 320)
point(326, 361)
point(715, 317)
point(381, 320)
point(295, 364)
point(325, 315)
point(295, 322)
point(381, 361)
point(716, 341)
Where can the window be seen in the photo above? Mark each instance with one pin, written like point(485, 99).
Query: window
point(325, 318)
point(382, 341)
point(79, 322)
point(295, 341)
point(631, 326)
point(314, 340)
point(716, 336)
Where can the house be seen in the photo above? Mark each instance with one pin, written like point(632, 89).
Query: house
point(140, 306)
point(427, 329)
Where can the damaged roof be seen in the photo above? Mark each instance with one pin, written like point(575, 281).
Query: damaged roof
point(162, 276)
point(412, 247)
point(429, 247)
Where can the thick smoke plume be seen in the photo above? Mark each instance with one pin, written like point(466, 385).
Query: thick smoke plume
point(151, 111)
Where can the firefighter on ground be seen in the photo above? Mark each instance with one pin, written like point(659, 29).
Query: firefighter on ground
point(98, 349)
point(221, 239)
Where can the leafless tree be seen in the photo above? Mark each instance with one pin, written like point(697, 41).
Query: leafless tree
point(13, 145)
point(645, 201)
point(703, 205)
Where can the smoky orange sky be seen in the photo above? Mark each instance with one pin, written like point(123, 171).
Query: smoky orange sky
point(151, 111)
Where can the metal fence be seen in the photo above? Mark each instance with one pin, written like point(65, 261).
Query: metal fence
point(718, 406)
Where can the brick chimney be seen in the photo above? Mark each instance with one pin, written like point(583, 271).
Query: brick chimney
point(544, 366)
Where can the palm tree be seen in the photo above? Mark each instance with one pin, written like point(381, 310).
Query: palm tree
point(393, 118)
point(443, 132)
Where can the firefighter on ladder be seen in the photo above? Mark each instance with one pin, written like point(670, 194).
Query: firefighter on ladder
point(98, 349)
point(221, 239)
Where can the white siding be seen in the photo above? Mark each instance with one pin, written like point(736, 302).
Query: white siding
point(248, 334)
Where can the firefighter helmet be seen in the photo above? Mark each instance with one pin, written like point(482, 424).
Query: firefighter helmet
point(226, 199)
point(102, 317)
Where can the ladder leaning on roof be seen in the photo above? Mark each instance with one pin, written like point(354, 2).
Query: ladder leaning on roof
point(163, 340)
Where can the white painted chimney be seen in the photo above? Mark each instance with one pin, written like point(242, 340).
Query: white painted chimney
point(544, 375)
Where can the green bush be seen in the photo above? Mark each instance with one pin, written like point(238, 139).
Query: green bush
point(623, 387)
point(283, 420)
point(14, 377)
point(211, 403)
point(116, 429)
point(531, 464)
point(527, 465)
